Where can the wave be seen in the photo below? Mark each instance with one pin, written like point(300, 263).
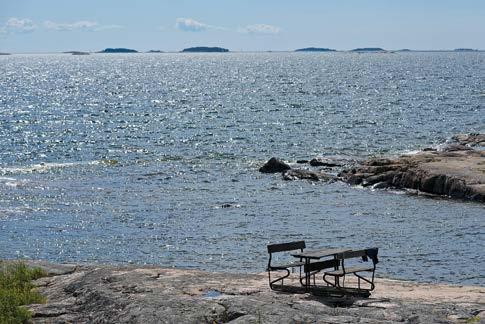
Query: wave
point(12, 182)
point(46, 167)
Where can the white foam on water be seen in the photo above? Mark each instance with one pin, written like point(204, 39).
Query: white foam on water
point(43, 167)
point(411, 152)
point(12, 182)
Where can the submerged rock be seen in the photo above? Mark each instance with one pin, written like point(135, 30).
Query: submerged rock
point(302, 161)
point(274, 165)
point(299, 174)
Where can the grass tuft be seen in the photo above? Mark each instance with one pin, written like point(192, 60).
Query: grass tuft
point(16, 290)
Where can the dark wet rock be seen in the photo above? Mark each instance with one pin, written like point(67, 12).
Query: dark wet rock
point(230, 206)
point(354, 178)
point(300, 174)
point(302, 161)
point(274, 165)
point(386, 177)
point(150, 294)
point(324, 162)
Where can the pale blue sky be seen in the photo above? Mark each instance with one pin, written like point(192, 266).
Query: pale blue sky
point(251, 25)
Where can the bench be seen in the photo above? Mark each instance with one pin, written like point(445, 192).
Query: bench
point(283, 247)
point(353, 269)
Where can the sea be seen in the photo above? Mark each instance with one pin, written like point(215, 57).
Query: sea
point(154, 158)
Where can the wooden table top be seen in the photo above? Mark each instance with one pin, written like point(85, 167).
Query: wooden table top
point(320, 253)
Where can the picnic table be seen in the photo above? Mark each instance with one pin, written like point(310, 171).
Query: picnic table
point(317, 255)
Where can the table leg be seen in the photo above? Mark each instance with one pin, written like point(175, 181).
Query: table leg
point(336, 268)
point(307, 275)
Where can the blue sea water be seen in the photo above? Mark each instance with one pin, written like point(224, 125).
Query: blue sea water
point(153, 158)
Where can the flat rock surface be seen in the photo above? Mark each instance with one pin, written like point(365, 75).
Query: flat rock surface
point(149, 294)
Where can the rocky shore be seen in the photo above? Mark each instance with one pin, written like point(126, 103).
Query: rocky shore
point(455, 169)
point(149, 294)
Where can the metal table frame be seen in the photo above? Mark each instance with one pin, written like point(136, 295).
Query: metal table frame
point(317, 255)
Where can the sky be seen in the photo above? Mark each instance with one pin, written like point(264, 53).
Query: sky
point(38, 26)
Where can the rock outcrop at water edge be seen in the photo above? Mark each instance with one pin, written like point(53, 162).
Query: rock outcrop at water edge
point(455, 170)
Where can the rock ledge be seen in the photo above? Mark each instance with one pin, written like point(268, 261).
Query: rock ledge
point(149, 294)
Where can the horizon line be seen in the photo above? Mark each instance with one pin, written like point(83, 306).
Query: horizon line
point(330, 50)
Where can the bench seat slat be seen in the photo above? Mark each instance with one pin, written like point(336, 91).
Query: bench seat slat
point(340, 272)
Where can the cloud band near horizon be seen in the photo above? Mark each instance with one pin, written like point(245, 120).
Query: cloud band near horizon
point(16, 25)
point(192, 25)
point(24, 25)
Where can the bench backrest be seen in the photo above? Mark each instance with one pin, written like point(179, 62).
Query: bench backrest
point(282, 247)
point(351, 254)
point(364, 254)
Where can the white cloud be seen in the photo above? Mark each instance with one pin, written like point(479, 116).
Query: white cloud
point(17, 25)
point(84, 25)
point(260, 29)
point(190, 25)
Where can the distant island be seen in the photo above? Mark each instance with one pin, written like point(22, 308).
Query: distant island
point(465, 50)
point(204, 49)
point(76, 53)
point(155, 51)
point(4, 53)
point(315, 49)
point(404, 50)
point(369, 49)
point(118, 50)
